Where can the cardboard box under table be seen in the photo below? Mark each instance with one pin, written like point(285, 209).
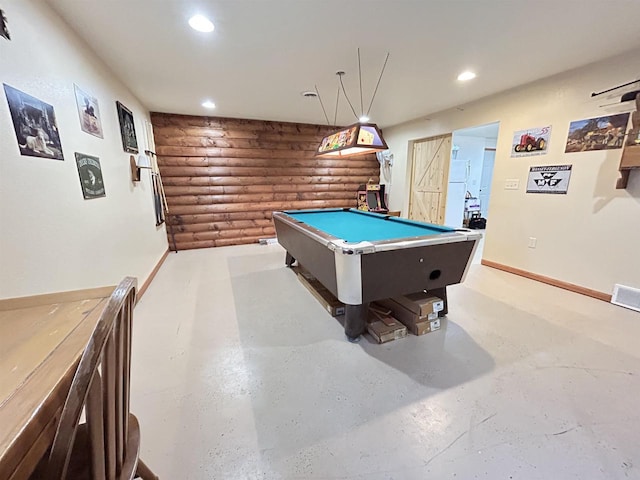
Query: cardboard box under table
point(383, 327)
point(419, 312)
point(421, 303)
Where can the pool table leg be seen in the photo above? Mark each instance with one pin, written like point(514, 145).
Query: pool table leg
point(355, 321)
point(441, 293)
point(289, 260)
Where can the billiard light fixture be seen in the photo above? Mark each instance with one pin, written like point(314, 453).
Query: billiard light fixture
point(357, 139)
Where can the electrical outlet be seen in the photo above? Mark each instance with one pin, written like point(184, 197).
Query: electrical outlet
point(512, 184)
point(532, 242)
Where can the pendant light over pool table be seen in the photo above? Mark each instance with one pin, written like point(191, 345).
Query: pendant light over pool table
point(357, 139)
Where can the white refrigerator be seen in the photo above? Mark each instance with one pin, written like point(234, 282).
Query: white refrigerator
point(456, 192)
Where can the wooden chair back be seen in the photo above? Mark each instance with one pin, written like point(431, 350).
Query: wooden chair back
point(101, 387)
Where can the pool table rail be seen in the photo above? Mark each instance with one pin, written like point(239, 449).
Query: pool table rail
point(339, 245)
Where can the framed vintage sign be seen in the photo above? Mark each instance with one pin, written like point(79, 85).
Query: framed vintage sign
point(90, 174)
point(552, 179)
point(127, 129)
point(532, 141)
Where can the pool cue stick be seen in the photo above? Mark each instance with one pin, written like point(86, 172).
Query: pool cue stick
point(151, 142)
point(156, 169)
point(595, 94)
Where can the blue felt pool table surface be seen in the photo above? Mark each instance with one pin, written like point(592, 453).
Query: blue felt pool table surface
point(357, 226)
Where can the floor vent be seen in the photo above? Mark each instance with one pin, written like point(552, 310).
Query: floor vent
point(626, 297)
point(267, 241)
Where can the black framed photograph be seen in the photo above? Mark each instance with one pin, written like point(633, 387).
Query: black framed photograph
point(127, 129)
point(4, 27)
point(89, 113)
point(90, 174)
point(34, 122)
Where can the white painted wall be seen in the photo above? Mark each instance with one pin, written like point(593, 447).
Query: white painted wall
point(486, 178)
point(491, 142)
point(589, 237)
point(51, 239)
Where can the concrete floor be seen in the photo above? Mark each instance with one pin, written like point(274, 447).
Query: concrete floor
point(238, 373)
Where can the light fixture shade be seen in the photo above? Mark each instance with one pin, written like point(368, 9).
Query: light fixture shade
point(143, 161)
point(356, 139)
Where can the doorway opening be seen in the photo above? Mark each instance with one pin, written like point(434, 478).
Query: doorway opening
point(473, 154)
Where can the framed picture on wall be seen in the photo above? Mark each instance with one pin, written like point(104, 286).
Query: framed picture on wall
point(552, 179)
point(4, 27)
point(600, 133)
point(90, 174)
point(34, 122)
point(127, 129)
point(532, 141)
point(89, 113)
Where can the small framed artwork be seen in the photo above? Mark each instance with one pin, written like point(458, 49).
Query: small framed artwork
point(549, 179)
point(127, 129)
point(89, 113)
point(532, 141)
point(4, 27)
point(34, 122)
point(90, 176)
point(600, 133)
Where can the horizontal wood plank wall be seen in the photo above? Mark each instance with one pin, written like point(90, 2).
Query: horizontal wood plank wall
point(224, 177)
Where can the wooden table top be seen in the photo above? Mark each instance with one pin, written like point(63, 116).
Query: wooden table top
point(40, 347)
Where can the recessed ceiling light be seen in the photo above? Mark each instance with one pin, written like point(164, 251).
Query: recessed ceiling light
point(468, 75)
point(208, 104)
point(363, 119)
point(201, 23)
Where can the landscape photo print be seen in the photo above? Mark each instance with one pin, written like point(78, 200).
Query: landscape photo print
point(600, 133)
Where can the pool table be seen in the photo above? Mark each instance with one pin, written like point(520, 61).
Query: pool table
point(362, 256)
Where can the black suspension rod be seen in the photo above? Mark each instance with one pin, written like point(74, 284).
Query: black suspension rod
point(595, 94)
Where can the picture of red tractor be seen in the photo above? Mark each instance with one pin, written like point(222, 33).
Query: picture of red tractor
point(530, 144)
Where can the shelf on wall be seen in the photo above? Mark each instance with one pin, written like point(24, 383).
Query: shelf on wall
point(631, 152)
point(630, 161)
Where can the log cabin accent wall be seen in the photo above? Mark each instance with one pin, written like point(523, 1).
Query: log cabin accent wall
point(224, 177)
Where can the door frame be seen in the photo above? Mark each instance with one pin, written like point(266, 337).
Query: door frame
point(493, 167)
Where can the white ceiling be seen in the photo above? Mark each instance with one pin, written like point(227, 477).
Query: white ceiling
point(264, 53)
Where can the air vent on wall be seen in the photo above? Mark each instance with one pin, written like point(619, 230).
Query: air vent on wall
point(626, 297)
